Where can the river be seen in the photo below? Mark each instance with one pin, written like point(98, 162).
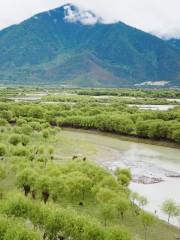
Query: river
point(148, 163)
point(153, 107)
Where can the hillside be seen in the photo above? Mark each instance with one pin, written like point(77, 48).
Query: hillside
point(52, 48)
point(175, 42)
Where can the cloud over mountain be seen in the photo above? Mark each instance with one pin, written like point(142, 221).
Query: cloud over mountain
point(79, 15)
point(160, 17)
point(64, 46)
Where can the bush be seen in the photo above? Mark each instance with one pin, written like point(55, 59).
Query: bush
point(20, 151)
point(2, 150)
point(17, 130)
point(3, 122)
point(115, 233)
point(27, 129)
point(36, 126)
point(20, 122)
point(45, 134)
point(15, 139)
point(7, 115)
point(36, 112)
point(176, 135)
point(25, 140)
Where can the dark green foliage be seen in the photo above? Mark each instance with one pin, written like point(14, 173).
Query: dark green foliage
point(20, 151)
point(11, 229)
point(61, 222)
point(25, 140)
point(3, 122)
point(84, 55)
point(2, 150)
point(15, 139)
point(90, 113)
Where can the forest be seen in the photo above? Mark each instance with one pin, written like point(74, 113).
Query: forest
point(114, 117)
point(45, 198)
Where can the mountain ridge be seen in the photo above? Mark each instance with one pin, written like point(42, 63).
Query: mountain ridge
point(51, 49)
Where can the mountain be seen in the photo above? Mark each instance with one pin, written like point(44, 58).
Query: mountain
point(175, 42)
point(72, 47)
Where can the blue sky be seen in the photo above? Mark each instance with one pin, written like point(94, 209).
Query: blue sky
point(160, 17)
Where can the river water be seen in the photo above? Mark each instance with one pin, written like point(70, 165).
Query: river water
point(153, 107)
point(155, 169)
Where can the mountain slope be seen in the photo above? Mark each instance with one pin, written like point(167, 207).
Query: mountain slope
point(56, 47)
point(175, 42)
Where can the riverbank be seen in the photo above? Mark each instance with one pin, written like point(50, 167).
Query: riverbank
point(155, 169)
point(127, 138)
point(109, 152)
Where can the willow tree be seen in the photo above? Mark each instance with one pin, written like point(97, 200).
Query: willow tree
point(147, 220)
point(170, 208)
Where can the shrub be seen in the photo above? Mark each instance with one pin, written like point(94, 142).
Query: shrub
point(7, 115)
point(2, 150)
point(17, 130)
point(27, 129)
point(25, 140)
point(45, 134)
point(20, 151)
point(36, 126)
point(3, 122)
point(21, 121)
point(15, 139)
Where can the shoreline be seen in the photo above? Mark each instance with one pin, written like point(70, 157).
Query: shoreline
point(134, 139)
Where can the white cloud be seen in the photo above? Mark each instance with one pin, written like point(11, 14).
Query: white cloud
point(82, 16)
point(160, 17)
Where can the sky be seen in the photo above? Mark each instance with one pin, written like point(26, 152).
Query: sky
point(159, 17)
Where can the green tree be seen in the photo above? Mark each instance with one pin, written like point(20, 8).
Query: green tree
point(147, 220)
point(122, 205)
point(79, 185)
point(170, 208)
point(59, 188)
point(116, 233)
point(176, 135)
point(20, 151)
point(7, 115)
point(44, 184)
point(26, 129)
point(15, 139)
point(26, 180)
point(123, 176)
point(93, 230)
point(107, 212)
point(36, 112)
point(105, 195)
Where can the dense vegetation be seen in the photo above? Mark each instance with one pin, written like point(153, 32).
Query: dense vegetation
point(144, 93)
point(45, 197)
point(104, 114)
